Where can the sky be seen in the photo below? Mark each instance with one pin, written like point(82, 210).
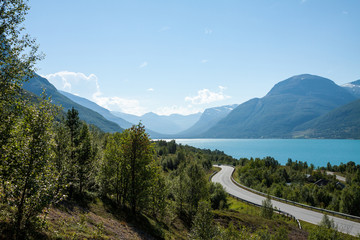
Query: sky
point(183, 56)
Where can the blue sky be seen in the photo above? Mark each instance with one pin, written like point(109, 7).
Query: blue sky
point(185, 56)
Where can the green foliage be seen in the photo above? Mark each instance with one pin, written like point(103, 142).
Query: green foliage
point(62, 151)
point(138, 151)
point(267, 210)
point(231, 233)
point(114, 171)
point(203, 227)
point(196, 187)
point(158, 193)
point(129, 171)
point(79, 149)
point(18, 52)
point(85, 158)
point(325, 230)
point(31, 181)
point(296, 182)
point(218, 196)
point(350, 200)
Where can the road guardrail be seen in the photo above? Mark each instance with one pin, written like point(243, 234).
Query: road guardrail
point(292, 202)
point(258, 205)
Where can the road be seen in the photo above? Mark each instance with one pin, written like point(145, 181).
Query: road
point(340, 178)
point(224, 178)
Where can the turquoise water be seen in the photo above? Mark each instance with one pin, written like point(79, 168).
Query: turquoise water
point(316, 151)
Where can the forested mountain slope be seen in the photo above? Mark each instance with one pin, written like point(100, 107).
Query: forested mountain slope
point(342, 122)
point(38, 84)
point(103, 111)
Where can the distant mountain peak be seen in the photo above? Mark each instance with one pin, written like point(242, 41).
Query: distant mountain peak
point(353, 88)
point(289, 103)
point(357, 82)
point(304, 84)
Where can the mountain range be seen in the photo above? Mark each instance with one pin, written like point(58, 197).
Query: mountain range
point(39, 84)
point(169, 125)
point(353, 88)
point(303, 106)
point(209, 118)
point(289, 104)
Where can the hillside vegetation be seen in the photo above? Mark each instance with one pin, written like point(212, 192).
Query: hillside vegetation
point(302, 183)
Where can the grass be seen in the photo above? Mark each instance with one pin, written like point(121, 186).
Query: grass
point(311, 227)
point(101, 220)
point(72, 221)
point(241, 215)
point(250, 217)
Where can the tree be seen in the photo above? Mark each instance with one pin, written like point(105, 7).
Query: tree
point(18, 55)
point(74, 126)
point(267, 210)
point(18, 52)
point(325, 230)
point(32, 184)
point(179, 189)
point(85, 158)
point(138, 152)
point(62, 151)
point(158, 191)
point(196, 187)
point(350, 200)
point(115, 169)
point(218, 196)
point(203, 226)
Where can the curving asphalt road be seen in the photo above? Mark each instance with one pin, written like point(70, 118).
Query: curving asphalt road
point(224, 178)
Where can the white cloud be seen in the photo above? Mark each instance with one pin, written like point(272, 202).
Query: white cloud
point(131, 106)
point(74, 82)
point(205, 96)
point(88, 87)
point(208, 31)
point(144, 64)
point(204, 61)
point(150, 90)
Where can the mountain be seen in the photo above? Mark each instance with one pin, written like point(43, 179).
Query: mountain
point(353, 88)
point(93, 106)
point(208, 119)
point(289, 103)
point(171, 124)
point(37, 84)
point(342, 122)
point(107, 114)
